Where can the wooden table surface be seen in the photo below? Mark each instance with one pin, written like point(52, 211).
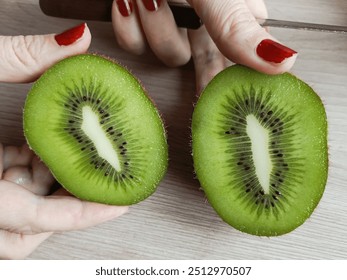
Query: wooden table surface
point(177, 222)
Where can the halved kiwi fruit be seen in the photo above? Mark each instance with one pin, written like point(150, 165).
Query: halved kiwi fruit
point(93, 125)
point(260, 149)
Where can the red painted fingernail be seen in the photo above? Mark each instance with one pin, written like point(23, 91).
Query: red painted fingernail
point(152, 5)
point(70, 36)
point(273, 52)
point(125, 7)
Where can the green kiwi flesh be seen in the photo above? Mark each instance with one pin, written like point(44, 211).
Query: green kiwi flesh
point(92, 124)
point(260, 149)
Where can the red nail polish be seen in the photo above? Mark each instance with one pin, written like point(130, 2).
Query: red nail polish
point(70, 36)
point(152, 5)
point(273, 52)
point(125, 7)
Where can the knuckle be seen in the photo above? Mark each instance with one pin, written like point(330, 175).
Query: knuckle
point(176, 60)
point(172, 52)
point(132, 45)
point(238, 21)
point(24, 51)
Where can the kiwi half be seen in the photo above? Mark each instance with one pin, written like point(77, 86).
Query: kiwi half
point(260, 149)
point(92, 124)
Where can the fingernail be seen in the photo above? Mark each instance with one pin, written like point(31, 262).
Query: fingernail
point(151, 5)
point(125, 7)
point(273, 52)
point(70, 36)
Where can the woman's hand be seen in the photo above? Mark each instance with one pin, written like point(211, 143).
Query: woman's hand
point(28, 212)
point(230, 33)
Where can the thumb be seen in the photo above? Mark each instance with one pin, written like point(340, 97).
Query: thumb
point(24, 58)
point(240, 38)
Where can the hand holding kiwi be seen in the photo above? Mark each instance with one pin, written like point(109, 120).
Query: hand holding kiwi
point(262, 167)
point(28, 210)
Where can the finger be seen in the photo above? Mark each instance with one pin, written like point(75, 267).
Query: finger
point(24, 212)
point(74, 214)
point(36, 178)
point(42, 178)
point(24, 58)
point(19, 175)
point(17, 156)
point(169, 43)
point(19, 246)
point(208, 60)
point(127, 27)
point(239, 37)
point(257, 8)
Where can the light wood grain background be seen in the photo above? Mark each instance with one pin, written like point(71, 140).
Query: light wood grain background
point(177, 222)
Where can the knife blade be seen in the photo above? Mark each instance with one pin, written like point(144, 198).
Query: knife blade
point(302, 25)
point(184, 15)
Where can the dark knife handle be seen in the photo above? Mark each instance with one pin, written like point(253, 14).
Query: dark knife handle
point(100, 10)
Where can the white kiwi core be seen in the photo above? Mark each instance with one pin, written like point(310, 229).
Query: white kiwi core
point(260, 150)
point(92, 128)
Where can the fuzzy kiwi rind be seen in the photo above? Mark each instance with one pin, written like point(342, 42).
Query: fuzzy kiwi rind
point(295, 119)
point(53, 116)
